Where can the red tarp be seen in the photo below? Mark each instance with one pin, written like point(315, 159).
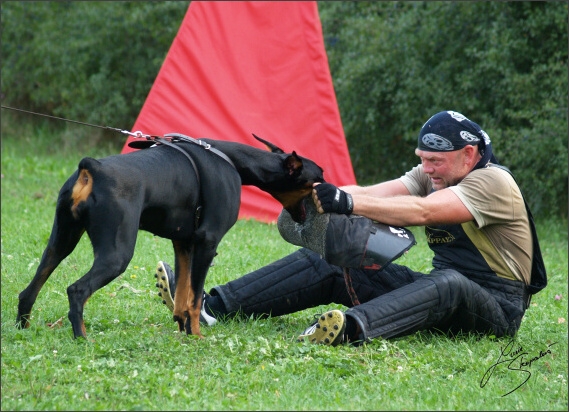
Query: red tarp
point(237, 68)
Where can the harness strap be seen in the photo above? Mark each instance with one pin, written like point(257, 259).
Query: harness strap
point(180, 137)
point(201, 143)
point(170, 144)
point(167, 143)
point(538, 276)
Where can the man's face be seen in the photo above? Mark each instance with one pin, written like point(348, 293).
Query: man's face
point(444, 168)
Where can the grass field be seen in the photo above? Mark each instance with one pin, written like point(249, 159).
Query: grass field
point(134, 359)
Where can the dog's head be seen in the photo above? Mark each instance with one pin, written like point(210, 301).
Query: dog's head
point(300, 173)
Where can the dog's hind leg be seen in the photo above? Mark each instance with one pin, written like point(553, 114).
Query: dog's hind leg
point(65, 234)
point(192, 264)
point(204, 252)
point(183, 251)
point(113, 247)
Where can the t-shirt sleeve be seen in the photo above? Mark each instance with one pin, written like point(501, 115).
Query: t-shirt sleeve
point(490, 195)
point(417, 182)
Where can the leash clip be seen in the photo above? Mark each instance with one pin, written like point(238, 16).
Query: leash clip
point(138, 134)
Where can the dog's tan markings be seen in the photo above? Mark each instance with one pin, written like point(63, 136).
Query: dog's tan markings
point(184, 297)
point(290, 199)
point(195, 314)
point(83, 328)
point(43, 278)
point(182, 292)
point(81, 190)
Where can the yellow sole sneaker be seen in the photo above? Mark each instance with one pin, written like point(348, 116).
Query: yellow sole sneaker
point(163, 272)
point(327, 330)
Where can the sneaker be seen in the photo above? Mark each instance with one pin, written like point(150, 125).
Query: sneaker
point(206, 318)
point(328, 329)
point(166, 283)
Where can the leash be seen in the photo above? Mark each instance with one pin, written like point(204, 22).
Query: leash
point(350, 287)
point(135, 134)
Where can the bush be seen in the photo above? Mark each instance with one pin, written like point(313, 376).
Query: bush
point(89, 61)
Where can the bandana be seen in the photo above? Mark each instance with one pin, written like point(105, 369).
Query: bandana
point(449, 131)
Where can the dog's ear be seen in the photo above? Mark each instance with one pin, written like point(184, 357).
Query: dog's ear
point(293, 164)
point(274, 149)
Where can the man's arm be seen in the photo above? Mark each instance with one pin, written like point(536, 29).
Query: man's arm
point(385, 189)
point(391, 203)
point(440, 207)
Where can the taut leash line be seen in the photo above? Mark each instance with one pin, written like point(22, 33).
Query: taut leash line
point(135, 134)
point(168, 139)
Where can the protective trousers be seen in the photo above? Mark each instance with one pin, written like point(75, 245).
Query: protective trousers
point(395, 301)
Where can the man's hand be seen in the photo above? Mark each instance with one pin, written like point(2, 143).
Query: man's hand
point(329, 199)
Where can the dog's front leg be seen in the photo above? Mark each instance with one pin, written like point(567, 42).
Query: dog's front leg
point(184, 309)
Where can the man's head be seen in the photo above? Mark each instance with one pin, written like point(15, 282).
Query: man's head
point(449, 131)
point(450, 146)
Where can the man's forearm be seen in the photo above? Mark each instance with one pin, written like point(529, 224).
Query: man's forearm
point(441, 207)
point(396, 211)
point(385, 189)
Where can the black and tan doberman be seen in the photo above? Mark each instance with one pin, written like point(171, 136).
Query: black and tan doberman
point(181, 189)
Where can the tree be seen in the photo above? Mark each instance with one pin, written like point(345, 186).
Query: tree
point(89, 61)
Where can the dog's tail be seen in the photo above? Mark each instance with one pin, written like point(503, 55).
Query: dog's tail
point(83, 186)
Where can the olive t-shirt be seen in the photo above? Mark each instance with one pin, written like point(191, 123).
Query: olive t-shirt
point(498, 240)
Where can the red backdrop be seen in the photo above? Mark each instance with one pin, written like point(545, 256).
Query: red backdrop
point(237, 68)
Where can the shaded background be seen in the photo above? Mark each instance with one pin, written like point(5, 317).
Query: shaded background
point(393, 64)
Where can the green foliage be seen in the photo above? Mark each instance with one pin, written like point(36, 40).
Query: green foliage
point(393, 63)
point(89, 61)
point(134, 359)
point(502, 64)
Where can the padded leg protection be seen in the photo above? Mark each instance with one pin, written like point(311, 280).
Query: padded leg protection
point(347, 241)
point(296, 282)
point(445, 301)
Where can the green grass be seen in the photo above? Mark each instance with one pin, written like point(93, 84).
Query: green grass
point(134, 359)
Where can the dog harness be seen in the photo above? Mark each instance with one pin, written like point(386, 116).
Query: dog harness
point(177, 137)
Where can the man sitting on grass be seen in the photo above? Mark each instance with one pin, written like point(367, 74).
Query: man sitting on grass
point(476, 223)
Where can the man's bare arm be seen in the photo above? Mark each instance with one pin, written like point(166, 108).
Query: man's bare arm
point(385, 189)
point(440, 207)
